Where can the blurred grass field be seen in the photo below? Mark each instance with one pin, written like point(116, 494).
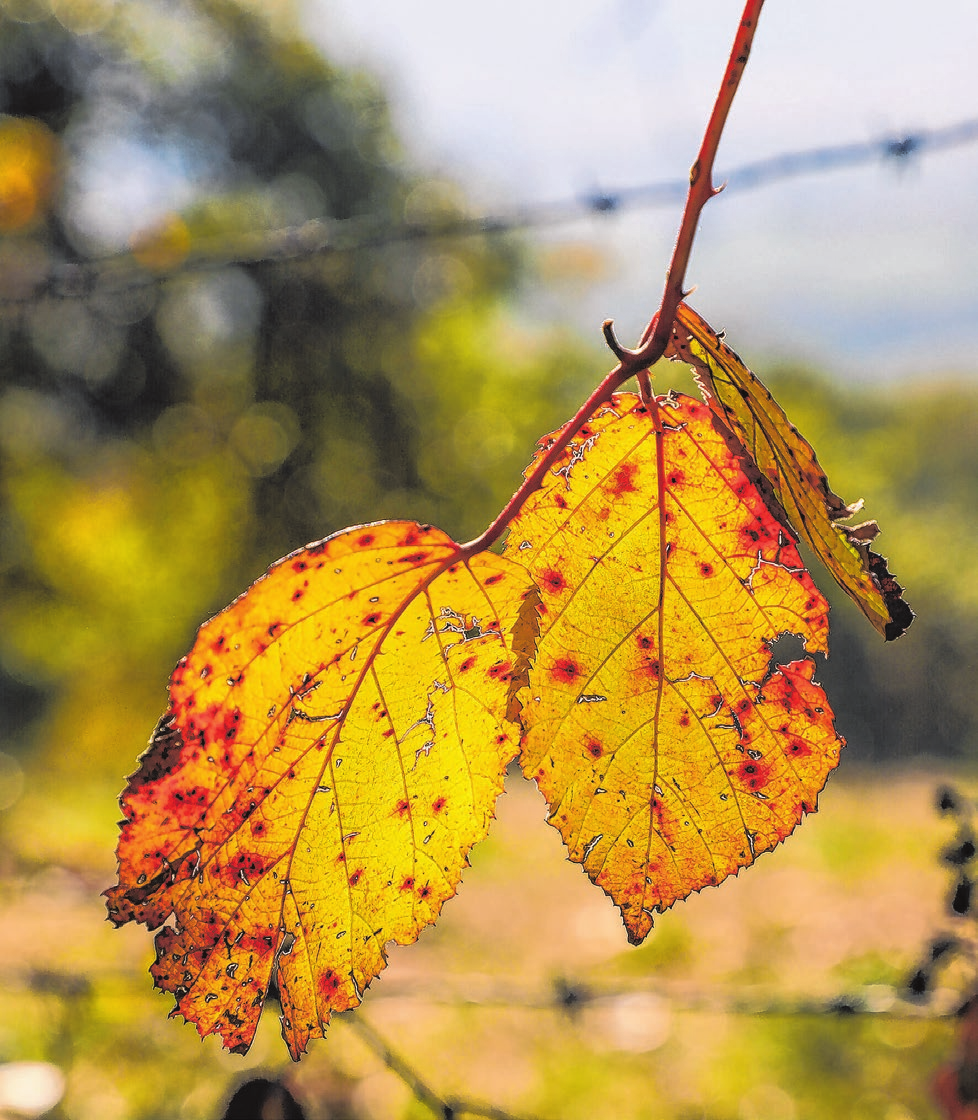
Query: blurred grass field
point(526, 995)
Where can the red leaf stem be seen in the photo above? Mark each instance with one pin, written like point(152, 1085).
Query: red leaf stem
point(635, 363)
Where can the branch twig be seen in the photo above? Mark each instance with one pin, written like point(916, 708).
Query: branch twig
point(635, 363)
point(701, 188)
point(450, 1108)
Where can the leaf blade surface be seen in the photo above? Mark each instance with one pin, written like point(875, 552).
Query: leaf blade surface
point(334, 746)
point(669, 749)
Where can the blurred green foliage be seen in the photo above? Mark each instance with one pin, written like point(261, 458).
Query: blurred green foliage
point(161, 445)
point(911, 452)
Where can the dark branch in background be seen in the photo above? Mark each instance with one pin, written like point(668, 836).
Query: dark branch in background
point(121, 271)
point(450, 1108)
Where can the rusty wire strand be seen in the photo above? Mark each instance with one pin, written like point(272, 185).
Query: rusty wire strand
point(121, 272)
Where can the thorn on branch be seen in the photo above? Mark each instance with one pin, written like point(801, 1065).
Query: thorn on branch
point(626, 356)
point(622, 353)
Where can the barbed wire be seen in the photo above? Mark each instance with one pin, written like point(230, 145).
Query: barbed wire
point(568, 999)
point(570, 996)
point(124, 271)
point(565, 998)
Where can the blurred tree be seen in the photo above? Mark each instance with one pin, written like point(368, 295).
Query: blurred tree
point(161, 443)
point(912, 455)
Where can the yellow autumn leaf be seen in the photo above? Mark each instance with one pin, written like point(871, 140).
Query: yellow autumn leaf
point(334, 746)
point(670, 748)
point(788, 463)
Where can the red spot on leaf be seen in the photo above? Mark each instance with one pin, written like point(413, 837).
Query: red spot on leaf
point(414, 558)
point(355, 877)
point(408, 884)
point(560, 501)
point(298, 566)
point(328, 985)
point(623, 481)
point(500, 671)
point(595, 749)
point(242, 870)
point(438, 804)
point(401, 807)
point(651, 669)
point(706, 570)
point(552, 580)
point(494, 578)
point(372, 619)
point(366, 540)
point(566, 670)
point(466, 664)
point(753, 774)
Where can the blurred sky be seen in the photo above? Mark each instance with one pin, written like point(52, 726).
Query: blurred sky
point(869, 272)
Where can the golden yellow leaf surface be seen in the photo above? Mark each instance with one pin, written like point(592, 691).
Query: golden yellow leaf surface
point(669, 747)
point(788, 463)
point(334, 746)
